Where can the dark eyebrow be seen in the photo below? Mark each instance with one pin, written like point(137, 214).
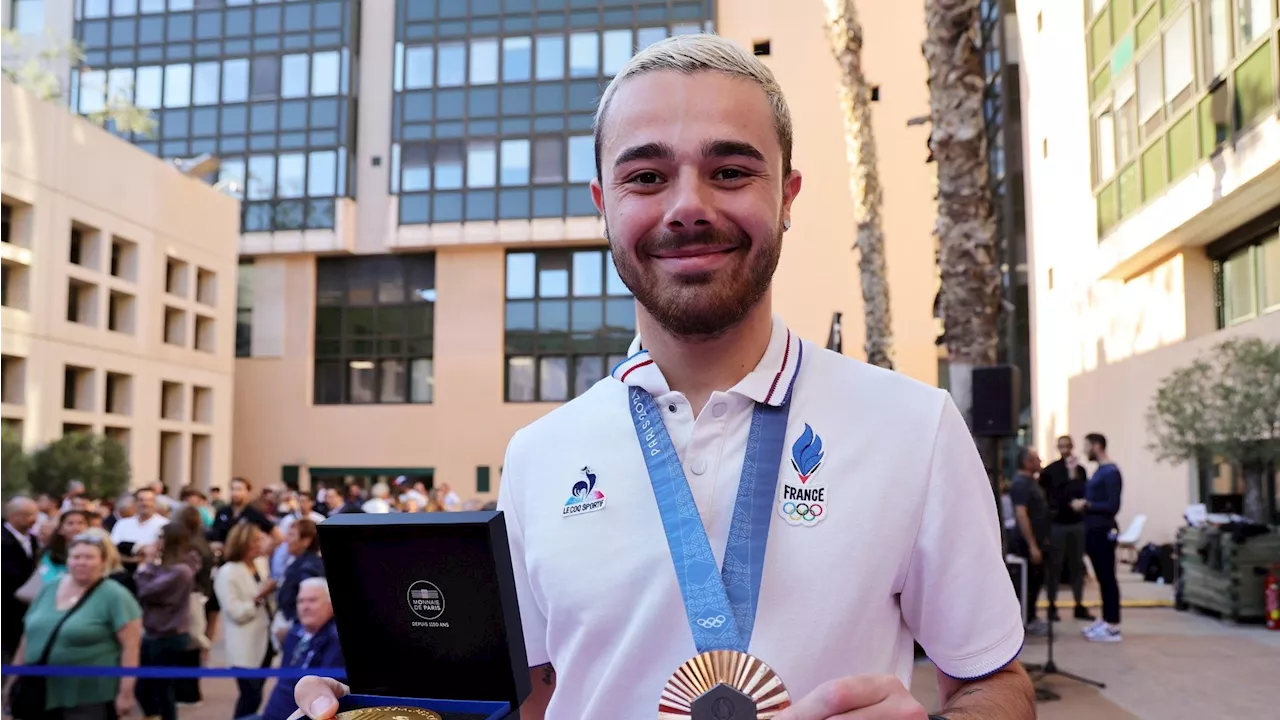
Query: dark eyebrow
point(648, 151)
point(731, 148)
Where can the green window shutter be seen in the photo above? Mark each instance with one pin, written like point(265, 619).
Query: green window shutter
point(482, 479)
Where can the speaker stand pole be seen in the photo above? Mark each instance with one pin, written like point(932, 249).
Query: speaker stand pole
point(1040, 672)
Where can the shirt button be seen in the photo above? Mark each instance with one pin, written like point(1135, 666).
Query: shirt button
point(672, 408)
point(719, 409)
point(699, 467)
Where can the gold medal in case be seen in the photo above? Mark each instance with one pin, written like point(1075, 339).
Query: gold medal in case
point(389, 713)
point(716, 683)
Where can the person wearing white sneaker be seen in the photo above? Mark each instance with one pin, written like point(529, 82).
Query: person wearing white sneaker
point(1099, 506)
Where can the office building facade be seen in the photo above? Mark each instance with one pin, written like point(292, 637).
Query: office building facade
point(119, 296)
point(1153, 215)
point(422, 270)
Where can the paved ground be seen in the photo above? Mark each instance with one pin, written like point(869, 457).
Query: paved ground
point(1171, 666)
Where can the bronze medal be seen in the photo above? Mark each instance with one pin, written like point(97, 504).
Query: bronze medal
point(723, 685)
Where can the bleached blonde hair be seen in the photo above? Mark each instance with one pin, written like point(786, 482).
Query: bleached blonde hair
point(689, 54)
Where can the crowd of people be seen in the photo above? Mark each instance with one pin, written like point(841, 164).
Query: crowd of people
point(149, 579)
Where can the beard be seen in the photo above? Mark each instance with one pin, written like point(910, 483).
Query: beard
point(699, 304)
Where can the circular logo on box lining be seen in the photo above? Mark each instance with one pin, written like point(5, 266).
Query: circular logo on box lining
point(425, 600)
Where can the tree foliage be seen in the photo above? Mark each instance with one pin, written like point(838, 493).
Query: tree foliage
point(33, 70)
point(16, 465)
point(100, 462)
point(1224, 404)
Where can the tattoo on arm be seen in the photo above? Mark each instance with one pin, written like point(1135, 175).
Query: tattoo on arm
point(548, 675)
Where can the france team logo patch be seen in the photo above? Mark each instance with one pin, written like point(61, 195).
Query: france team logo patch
point(802, 499)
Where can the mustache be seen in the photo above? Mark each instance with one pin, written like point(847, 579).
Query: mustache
point(667, 241)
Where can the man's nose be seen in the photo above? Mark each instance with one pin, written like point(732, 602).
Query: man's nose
point(691, 204)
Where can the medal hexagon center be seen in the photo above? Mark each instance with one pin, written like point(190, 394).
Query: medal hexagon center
point(723, 702)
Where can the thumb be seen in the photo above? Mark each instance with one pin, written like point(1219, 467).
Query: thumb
point(317, 697)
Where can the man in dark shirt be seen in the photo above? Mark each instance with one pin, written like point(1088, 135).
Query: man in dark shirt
point(1100, 505)
point(1031, 509)
point(241, 510)
point(1063, 480)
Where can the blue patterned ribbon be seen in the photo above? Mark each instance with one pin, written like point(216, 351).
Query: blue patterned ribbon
point(720, 603)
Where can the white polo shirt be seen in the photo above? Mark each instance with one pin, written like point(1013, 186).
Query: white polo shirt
point(133, 530)
point(907, 544)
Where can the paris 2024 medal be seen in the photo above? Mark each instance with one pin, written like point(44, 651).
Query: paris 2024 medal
point(395, 712)
point(723, 685)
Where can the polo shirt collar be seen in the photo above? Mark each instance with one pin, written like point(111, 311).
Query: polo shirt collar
point(768, 383)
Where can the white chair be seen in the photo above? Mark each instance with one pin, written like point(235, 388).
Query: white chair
point(1128, 540)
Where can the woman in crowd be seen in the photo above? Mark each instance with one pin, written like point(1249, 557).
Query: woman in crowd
point(192, 518)
point(54, 563)
point(244, 593)
point(165, 578)
point(105, 631)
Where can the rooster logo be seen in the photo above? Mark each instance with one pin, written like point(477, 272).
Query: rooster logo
point(806, 454)
point(584, 497)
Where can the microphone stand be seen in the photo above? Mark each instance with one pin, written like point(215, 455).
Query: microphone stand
point(1040, 672)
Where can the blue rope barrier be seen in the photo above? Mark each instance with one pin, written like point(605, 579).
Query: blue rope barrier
point(170, 672)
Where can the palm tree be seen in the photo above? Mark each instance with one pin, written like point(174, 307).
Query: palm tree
point(969, 302)
point(845, 35)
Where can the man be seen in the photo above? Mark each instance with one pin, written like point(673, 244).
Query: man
point(215, 498)
point(124, 509)
point(131, 533)
point(378, 504)
point(241, 509)
point(305, 509)
point(75, 493)
point(1031, 510)
point(449, 499)
point(164, 504)
point(1063, 480)
point(1100, 504)
point(870, 543)
point(19, 552)
point(193, 496)
point(312, 642)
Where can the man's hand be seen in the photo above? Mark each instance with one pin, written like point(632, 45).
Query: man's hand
point(317, 697)
point(1079, 504)
point(1037, 557)
point(874, 697)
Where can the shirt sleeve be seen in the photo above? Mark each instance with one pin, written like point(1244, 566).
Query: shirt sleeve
point(958, 597)
point(121, 604)
point(1019, 494)
point(531, 616)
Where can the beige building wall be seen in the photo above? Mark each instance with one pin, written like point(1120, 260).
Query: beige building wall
point(153, 295)
point(1112, 317)
point(468, 424)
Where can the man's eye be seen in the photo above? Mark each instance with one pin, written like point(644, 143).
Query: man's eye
point(730, 174)
point(646, 178)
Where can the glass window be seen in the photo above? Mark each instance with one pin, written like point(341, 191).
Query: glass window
point(28, 17)
point(260, 185)
point(1254, 17)
point(1150, 90)
point(453, 64)
point(1269, 272)
point(617, 50)
point(235, 80)
point(520, 274)
point(204, 89)
point(550, 57)
point(1179, 58)
point(1239, 287)
point(326, 73)
point(548, 160)
point(416, 168)
point(520, 381)
point(481, 159)
point(584, 54)
point(177, 86)
point(418, 67)
point(120, 84)
point(1106, 138)
point(553, 379)
point(147, 87)
point(294, 74)
point(517, 57)
point(421, 381)
point(93, 91)
point(322, 173)
point(266, 77)
point(231, 176)
point(515, 162)
point(588, 273)
point(292, 175)
point(1126, 114)
point(648, 36)
point(484, 61)
point(1217, 30)
point(582, 161)
point(448, 165)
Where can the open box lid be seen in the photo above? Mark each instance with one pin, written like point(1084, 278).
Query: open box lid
point(426, 605)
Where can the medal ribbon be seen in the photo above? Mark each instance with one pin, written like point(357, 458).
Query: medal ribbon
point(720, 602)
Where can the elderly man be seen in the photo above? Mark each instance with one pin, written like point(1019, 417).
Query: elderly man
point(312, 642)
point(21, 551)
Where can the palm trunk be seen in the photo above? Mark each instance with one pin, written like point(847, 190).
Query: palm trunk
point(970, 293)
point(864, 182)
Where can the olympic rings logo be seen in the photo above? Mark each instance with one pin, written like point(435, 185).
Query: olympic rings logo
point(712, 622)
point(808, 512)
